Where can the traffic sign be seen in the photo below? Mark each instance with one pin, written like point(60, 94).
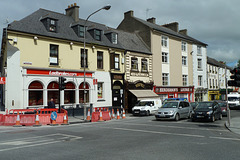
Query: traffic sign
point(53, 116)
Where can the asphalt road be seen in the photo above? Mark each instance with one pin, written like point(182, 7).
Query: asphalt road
point(138, 138)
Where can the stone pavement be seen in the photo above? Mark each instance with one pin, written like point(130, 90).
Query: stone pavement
point(234, 125)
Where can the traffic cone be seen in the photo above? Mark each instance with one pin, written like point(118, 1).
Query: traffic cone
point(100, 119)
point(118, 116)
point(124, 116)
point(65, 121)
point(18, 121)
point(37, 124)
point(88, 116)
point(113, 115)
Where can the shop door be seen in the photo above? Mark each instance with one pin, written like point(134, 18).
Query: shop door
point(116, 94)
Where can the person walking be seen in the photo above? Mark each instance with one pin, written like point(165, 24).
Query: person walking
point(51, 104)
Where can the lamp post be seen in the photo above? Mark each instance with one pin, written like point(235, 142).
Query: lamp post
point(84, 57)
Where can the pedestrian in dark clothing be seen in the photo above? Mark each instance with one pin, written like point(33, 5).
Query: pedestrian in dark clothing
point(51, 104)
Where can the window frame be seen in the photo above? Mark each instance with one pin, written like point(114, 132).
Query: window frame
point(165, 57)
point(165, 79)
point(184, 60)
point(164, 41)
point(199, 66)
point(185, 80)
point(102, 90)
point(82, 58)
point(184, 46)
point(200, 80)
point(199, 50)
point(134, 64)
point(97, 36)
point(99, 60)
point(144, 62)
point(54, 55)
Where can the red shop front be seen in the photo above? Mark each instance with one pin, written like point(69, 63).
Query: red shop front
point(175, 92)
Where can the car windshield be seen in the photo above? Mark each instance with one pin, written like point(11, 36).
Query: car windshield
point(222, 104)
point(144, 103)
point(233, 98)
point(170, 105)
point(205, 105)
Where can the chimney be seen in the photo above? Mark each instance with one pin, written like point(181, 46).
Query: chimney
point(128, 14)
point(152, 20)
point(73, 11)
point(183, 31)
point(173, 26)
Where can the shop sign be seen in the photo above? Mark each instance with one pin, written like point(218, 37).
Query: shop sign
point(185, 89)
point(94, 81)
point(2, 80)
point(118, 77)
point(58, 73)
point(139, 85)
point(168, 89)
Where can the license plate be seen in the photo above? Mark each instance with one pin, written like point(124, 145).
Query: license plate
point(200, 116)
point(136, 111)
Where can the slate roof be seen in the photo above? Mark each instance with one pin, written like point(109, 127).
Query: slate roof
point(169, 31)
point(32, 24)
point(214, 62)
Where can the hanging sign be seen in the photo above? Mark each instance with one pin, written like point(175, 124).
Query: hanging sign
point(2, 80)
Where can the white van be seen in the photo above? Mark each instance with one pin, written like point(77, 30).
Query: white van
point(234, 100)
point(146, 107)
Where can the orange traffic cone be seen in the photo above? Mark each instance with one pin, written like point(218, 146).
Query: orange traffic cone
point(37, 123)
point(88, 116)
point(18, 121)
point(118, 116)
point(113, 115)
point(124, 116)
point(65, 121)
point(100, 119)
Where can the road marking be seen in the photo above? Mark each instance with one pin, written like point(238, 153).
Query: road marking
point(179, 127)
point(156, 132)
point(35, 141)
point(225, 138)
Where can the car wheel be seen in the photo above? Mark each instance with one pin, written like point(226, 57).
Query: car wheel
point(148, 113)
point(177, 117)
point(213, 118)
point(220, 116)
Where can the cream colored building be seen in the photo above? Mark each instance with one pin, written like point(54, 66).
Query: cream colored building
point(172, 55)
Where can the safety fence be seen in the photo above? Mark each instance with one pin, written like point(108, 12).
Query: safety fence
point(28, 117)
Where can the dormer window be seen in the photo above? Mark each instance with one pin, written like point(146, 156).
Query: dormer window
point(79, 30)
point(50, 24)
point(97, 34)
point(114, 38)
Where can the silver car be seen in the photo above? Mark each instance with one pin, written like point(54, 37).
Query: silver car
point(174, 110)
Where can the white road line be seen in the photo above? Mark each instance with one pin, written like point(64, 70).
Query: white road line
point(156, 132)
point(224, 138)
point(179, 127)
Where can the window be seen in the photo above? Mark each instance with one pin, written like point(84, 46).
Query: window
point(100, 90)
point(53, 54)
point(69, 93)
point(144, 65)
point(134, 64)
point(213, 83)
point(199, 80)
point(164, 57)
point(216, 84)
point(81, 93)
point(164, 41)
point(114, 38)
point(114, 61)
point(99, 60)
point(52, 26)
point(184, 60)
point(199, 64)
point(199, 50)
point(82, 58)
point(210, 83)
point(184, 46)
point(35, 93)
point(165, 79)
point(81, 31)
point(97, 34)
point(185, 80)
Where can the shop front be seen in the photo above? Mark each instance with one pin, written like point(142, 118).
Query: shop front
point(175, 92)
point(213, 95)
point(135, 91)
point(201, 94)
point(117, 90)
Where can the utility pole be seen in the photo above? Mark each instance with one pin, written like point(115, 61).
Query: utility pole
point(228, 110)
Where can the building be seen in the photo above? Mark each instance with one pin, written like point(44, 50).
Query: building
point(172, 55)
point(217, 75)
point(46, 45)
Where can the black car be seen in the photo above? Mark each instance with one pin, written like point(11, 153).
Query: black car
point(207, 111)
point(223, 106)
point(194, 104)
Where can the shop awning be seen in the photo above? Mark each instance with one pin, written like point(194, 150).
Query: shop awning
point(144, 94)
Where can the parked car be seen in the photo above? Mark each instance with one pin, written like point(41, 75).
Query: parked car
point(223, 106)
point(174, 110)
point(146, 107)
point(174, 99)
point(194, 104)
point(209, 110)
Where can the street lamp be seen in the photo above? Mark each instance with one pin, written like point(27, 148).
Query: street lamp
point(84, 57)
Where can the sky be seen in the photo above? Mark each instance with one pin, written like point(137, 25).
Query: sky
point(214, 22)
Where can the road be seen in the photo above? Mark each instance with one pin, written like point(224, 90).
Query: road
point(138, 138)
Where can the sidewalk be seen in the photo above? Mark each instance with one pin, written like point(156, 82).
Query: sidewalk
point(80, 119)
point(234, 125)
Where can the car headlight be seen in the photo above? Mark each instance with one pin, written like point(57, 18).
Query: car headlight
point(209, 112)
point(171, 112)
point(224, 110)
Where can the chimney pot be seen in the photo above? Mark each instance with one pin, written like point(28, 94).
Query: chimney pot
point(128, 14)
point(73, 12)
